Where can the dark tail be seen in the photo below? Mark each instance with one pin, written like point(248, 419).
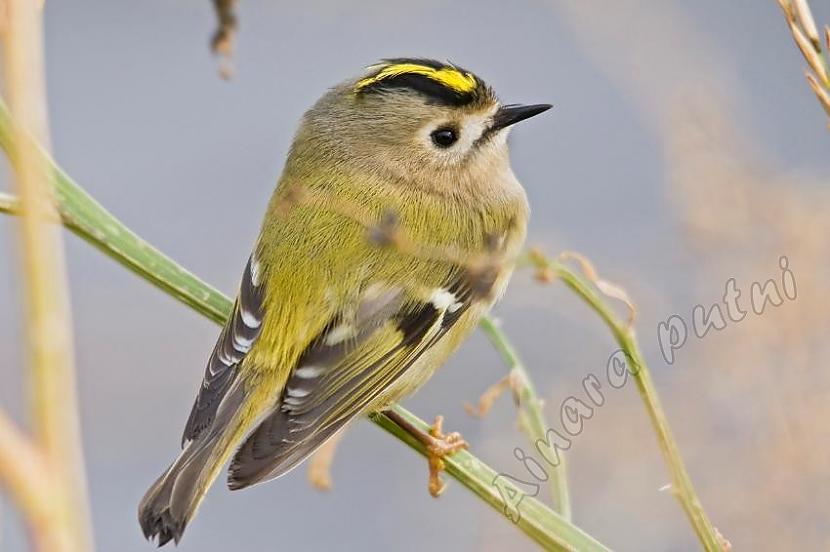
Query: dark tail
point(172, 501)
point(174, 498)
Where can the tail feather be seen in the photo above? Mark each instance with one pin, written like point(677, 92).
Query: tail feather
point(172, 501)
point(174, 498)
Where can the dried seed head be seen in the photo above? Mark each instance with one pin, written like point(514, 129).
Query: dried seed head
point(787, 8)
point(821, 93)
point(812, 56)
point(805, 17)
point(537, 257)
point(545, 275)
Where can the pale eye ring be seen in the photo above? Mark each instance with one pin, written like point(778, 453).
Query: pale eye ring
point(444, 137)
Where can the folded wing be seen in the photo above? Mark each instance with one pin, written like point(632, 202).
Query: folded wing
point(236, 339)
point(358, 356)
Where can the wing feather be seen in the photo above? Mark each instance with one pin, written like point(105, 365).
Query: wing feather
point(338, 377)
point(236, 339)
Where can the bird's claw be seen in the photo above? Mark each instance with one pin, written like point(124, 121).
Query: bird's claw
point(438, 447)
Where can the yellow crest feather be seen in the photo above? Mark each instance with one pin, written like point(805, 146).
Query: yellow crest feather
point(450, 77)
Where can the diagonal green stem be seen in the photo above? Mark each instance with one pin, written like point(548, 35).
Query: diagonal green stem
point(89, 220)
point(531, 413)
point(625, 336)
point(550, 530)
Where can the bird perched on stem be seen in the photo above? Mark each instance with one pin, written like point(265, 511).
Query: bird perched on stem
point(393, 229)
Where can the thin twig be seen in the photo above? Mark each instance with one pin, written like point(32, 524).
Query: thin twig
point(625, 336)
point(50, 350)
point(531, 412)
point(222, 41)
point(319, 465)
point(23, 471)
point(93, 223)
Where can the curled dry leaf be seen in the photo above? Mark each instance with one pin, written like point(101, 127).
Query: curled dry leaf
point(514, 381)
point(488, 398)
point(585, 265)
point(616, 292)
point(607, 288)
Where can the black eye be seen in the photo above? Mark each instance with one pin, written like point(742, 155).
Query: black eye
point(444, 137)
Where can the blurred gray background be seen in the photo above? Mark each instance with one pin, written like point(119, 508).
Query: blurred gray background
point(685, 148)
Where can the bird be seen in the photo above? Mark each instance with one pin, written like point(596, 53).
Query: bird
point(394, 227)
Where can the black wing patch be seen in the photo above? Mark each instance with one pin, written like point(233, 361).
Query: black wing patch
point(338, 377)
point(234, 342)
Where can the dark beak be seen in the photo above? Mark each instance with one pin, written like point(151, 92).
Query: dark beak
point(511, 114)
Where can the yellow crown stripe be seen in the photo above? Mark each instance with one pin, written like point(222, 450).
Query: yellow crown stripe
point(450, 77)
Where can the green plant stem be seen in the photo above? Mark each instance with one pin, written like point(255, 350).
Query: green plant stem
point(89, 220)
point(681, 483)
point(547, 528)
point(531, 412)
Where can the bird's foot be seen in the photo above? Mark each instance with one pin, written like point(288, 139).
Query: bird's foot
point(439, 446)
